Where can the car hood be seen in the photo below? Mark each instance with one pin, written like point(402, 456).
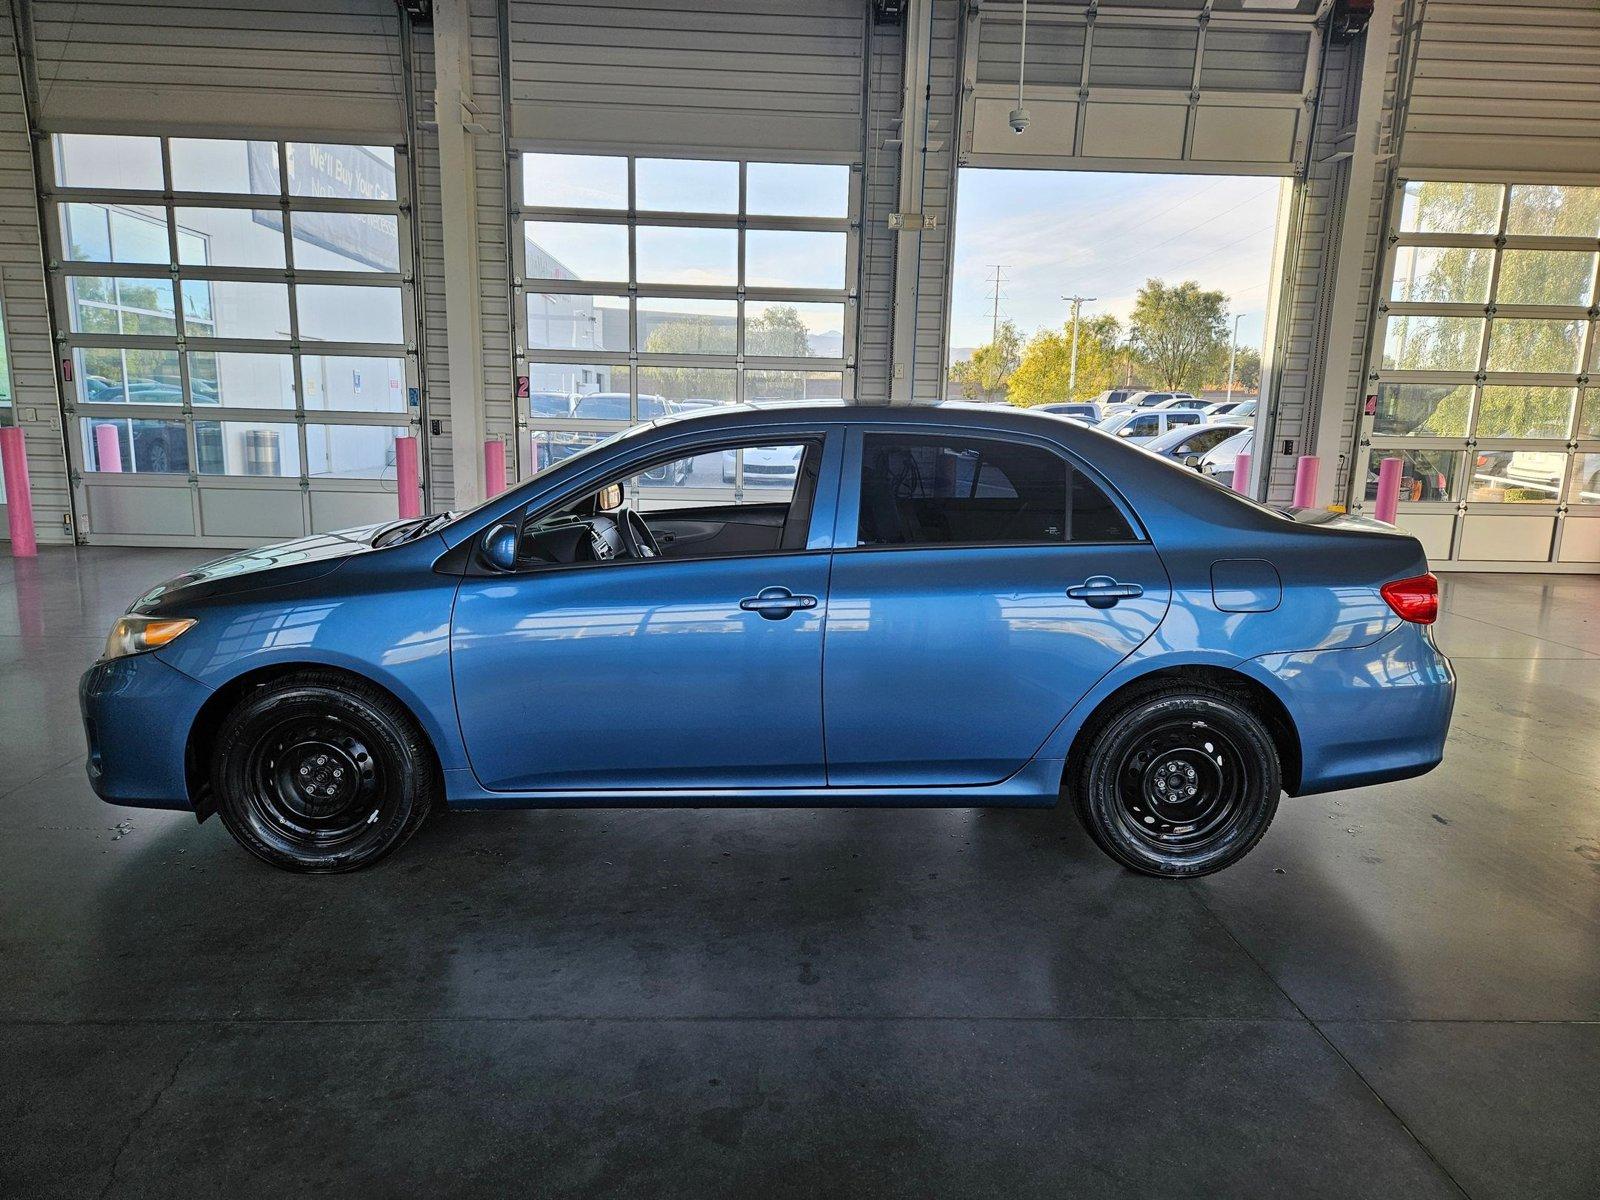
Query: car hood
point(261, 566)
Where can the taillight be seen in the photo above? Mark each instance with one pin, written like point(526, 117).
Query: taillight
point(1415, 600)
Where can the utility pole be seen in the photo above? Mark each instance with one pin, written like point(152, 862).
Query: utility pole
point(994, 328)
point(1233, 353)
point(1077, 302)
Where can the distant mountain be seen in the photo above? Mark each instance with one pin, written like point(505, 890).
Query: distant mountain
point(959, 353)
point(828, 344)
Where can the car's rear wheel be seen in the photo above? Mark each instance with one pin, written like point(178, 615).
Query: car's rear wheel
point(319, 772)
point(1179, 781)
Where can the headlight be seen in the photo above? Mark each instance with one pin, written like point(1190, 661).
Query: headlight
point(135, 635)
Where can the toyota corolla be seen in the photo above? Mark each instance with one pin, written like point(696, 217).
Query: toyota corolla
point(946, 605)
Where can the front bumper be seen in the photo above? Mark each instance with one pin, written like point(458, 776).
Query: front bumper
point(137, 713)
point(1367, 714)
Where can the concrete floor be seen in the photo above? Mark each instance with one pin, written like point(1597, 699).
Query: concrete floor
point(1396, 994)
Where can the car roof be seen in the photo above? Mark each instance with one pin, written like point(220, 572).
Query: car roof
point(1180, 433)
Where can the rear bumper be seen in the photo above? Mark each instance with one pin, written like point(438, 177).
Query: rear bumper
point(137, 713)
point(1368, 714)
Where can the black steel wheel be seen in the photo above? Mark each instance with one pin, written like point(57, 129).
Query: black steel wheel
point(1178, 782)
point(319, 772)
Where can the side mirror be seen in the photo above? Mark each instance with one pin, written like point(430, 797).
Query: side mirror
point(500, 547)
point(1125, 431)
point(608, 498)
point(1192, 460)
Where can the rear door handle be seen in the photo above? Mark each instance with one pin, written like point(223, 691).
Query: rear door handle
point(776, 603)
point(1102, 591)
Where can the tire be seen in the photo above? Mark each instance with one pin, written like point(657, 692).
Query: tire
point(318, 772)
point(1178, 781)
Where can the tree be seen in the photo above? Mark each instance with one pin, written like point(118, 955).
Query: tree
point(1179, 333)
point(985, 375)
point(1045, 372)
point(1246, 370)
point(778, 331)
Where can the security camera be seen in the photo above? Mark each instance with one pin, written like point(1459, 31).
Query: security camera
point(1019, 119)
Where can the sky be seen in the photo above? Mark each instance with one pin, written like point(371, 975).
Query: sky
point(1093, 233)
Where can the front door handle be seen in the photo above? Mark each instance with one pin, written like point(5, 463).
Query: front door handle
point(776, 603)
point(1102, 591)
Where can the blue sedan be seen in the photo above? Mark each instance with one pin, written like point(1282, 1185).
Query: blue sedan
point(944, 605)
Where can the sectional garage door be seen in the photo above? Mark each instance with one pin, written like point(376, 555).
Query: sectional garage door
point(1218, 87)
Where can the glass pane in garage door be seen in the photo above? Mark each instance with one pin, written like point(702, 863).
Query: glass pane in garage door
point(229, 237)
point(241, 380)
point(575, 181)
point(793, 385)
point(230, 308)
point(1423, 409)
point(1546, 277)
point(107, 161)
point(224, 165)
point(114, 233)
point(1517, 476)
point(120, 444)
point(105, 304)
point(584, 250)
point(341, 172)
point(1585, 479)
point(105, 375)
point(1589, 421)
point(577, 321)
point(335, 241)
point(1433, 343)
point(1430, 207)
point(794, 258)
point(259, 448)
point(336, 313)
point(667, 326)
point(685, 185)
point(354, 382)
point(1541, 346)
point(1525, 412)
point(1441, 275)
point(797, 189)
point(1553, 211)
point(689, 389)
point(1426, 476)
point(350, 451)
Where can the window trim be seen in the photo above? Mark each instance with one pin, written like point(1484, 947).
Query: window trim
point(847, 521)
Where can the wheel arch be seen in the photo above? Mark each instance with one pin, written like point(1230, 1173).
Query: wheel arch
point(208, 721)
point(1250, 691)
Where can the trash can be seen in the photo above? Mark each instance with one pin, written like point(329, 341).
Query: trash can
point(261, 452)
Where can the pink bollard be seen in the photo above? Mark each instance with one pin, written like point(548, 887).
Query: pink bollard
point(1305, 481)
point(1241, 474)
point(494, 467)
point(19, 498)
point(107, 450)
point(407, 477)
point(1388, 490)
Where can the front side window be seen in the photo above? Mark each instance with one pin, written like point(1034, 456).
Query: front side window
point(932, 490)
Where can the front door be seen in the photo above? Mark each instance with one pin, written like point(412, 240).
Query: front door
point(697, 668)
point(982, 587)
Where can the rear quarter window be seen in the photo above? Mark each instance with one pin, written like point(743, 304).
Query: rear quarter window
point(937, 490)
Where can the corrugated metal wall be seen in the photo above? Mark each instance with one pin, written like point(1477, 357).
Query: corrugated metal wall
point(719, 75)
point(23, 299)
point(1507, 87)
point(489, 159)
point(318, 68)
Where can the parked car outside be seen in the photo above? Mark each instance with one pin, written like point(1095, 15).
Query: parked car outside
point(1140, 425)
point(1085, 411)
point(1188, 444)
point(1113, 396)
point(1190, 403)
point(1230, 408)
point(1156, 399)
point(968, 607)
point(1218, 463)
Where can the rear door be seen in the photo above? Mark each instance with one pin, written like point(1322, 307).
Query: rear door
point(981, 585)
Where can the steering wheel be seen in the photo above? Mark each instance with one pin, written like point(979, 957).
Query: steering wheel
point(636, 535)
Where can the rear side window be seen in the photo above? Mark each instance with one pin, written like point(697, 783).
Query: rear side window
point(941, 491)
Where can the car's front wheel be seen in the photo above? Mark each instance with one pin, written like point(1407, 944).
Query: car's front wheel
point(1178, 781)
point(319, 772)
